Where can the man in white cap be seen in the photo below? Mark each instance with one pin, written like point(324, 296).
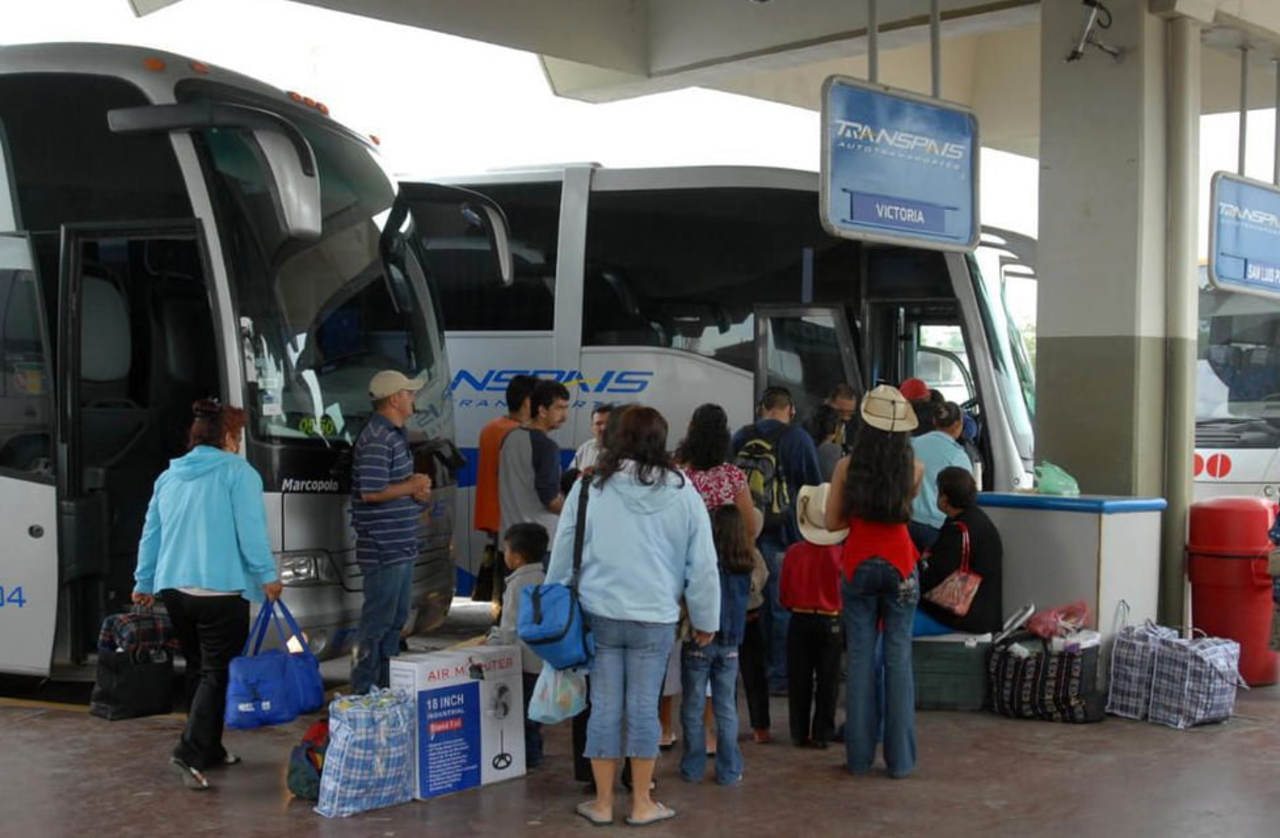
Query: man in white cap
point(387, 500)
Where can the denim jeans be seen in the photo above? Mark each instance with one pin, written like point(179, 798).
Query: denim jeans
point(626, 680)
point(719, 664)
point(387, 591)
point(923, 536)
point(774, 619)
point(878, 591)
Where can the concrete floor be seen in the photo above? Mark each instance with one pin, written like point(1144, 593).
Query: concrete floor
point(63, 772)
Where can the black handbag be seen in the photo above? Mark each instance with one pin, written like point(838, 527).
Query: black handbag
point(133, 683)
point(1038, 683)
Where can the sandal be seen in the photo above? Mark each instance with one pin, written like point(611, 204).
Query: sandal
point(664, 813)
point(585, 812)
point(192, 778)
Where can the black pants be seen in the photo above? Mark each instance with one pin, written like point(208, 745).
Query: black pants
point(212, 630)
point(814, 645)
point(532, 729)
point(753, 663)
point(582, 765)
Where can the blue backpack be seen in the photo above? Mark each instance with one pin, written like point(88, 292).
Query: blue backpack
point(551, 620)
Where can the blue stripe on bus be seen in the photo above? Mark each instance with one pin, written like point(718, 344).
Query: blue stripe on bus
point(467, 474)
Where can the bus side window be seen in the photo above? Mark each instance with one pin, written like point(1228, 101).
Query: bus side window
point(472, 296)
point(26, 415)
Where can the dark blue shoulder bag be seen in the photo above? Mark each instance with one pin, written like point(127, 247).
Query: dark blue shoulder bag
point(551, 620)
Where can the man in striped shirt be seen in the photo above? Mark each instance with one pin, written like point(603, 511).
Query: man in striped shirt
point(388, 499)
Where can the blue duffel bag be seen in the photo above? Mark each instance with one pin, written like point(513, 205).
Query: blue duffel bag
point(272, 687)
point(551, 620)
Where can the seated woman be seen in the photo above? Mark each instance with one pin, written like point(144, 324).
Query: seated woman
point(958, 500)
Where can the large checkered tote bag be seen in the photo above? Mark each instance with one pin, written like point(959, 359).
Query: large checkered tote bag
point(1132, 661)
point(1194, 681)
point(369, 762)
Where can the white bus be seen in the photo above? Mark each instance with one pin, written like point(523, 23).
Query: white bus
point(1237, 394)
point(679, 286)
point(169, 231)
point(1237, 435)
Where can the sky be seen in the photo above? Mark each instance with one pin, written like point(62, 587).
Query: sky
point(444, 105)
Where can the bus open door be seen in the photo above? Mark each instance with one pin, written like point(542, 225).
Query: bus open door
point(29, 572)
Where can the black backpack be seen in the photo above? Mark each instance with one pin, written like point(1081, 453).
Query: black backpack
point(759, 459)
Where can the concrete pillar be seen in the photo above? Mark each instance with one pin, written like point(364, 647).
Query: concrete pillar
point(1181, 305)
point(1100, 355)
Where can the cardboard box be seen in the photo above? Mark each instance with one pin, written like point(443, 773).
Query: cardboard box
point(469, 720)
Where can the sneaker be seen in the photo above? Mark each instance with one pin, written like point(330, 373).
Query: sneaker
point(762, 736)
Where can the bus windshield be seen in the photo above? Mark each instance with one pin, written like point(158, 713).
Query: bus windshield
point(1237, 370)
point(318, 318)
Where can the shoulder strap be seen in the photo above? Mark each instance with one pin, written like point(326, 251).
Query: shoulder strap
point(777, 434)
point(965, 550)
point(580, 530)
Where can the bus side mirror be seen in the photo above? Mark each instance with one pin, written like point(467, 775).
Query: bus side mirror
point(295, 184)
point(453, 218)
point(482, 211)
point(295, 194)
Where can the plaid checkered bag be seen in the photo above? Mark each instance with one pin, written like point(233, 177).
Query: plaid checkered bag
point(1194, 681)
point(1132, 660)
point(369, 762)
point(137, 630)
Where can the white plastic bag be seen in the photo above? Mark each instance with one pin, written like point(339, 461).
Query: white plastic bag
point(559, 694)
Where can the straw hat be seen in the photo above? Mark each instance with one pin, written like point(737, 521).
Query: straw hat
point(886, 409)
point(811, 513)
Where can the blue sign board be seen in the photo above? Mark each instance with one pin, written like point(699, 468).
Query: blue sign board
point(897, 167)
point(449, 739)
point(1244, 235)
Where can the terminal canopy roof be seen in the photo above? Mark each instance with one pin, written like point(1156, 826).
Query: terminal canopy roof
point(781, 50)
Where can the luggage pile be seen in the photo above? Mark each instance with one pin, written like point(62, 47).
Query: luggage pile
point(135, 665)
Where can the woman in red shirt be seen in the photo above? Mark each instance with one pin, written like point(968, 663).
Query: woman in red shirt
point(871, 494)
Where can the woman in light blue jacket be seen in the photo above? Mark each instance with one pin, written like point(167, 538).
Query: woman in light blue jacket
point(205, 551)
point(647, 545)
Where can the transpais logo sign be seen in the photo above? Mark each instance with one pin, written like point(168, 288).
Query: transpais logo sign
point(851, 132)
point(610, 382)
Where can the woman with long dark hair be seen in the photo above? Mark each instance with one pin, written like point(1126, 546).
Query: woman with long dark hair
point(871, 494)
point(647, 544)
point(703, 454)
point(205, 552)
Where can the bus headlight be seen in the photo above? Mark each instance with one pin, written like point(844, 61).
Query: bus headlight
point(309, 567)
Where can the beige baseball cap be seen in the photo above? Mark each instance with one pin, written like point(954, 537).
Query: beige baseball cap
point(888, 410)
point(811, 515)
point(389, 382)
